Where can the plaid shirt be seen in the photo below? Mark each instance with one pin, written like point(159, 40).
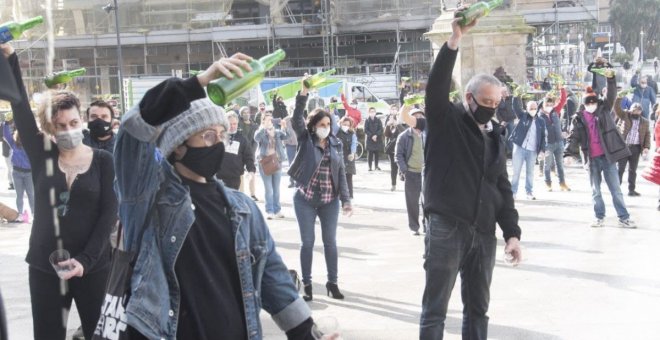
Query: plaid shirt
point(633, 134)
point(319, 189)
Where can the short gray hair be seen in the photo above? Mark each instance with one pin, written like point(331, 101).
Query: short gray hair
point(232, 114)
point(479, 80)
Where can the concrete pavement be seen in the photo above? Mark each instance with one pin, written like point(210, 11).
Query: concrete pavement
point(575, 283)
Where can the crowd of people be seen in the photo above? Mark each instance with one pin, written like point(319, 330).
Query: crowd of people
point(173, 176)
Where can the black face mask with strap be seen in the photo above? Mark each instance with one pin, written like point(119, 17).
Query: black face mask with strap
point(204, 161)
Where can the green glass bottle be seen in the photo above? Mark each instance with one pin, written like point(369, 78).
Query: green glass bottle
point(476, 11)
point(194, 72)
point(414, 99)
point(625, 92)
point(224, 90)
point(63, 77)
point(318, 79)
point(605, 72)
point(12, 30)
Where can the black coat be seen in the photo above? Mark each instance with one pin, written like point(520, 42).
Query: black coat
point(346, 139)
point(373, 127)
point(614, 146)
point(239, 156)
point(391, 135)
point(463, 179)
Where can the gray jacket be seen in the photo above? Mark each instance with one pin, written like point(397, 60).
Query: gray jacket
point(404, 148)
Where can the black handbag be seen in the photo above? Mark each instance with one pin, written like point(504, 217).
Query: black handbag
point(112, 322)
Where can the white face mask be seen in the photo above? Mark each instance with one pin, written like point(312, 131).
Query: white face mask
point(590, 108)
point(322, 133)
point(344, 128)
point(69, 139)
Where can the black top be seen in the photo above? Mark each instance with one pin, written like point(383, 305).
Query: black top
point(239, 156)
point(86, 213)
point(463, 178)
point(207, 271)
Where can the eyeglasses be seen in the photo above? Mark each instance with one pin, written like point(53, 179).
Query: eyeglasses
point(211, 137)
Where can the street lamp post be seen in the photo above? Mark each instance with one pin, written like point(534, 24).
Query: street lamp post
point(113, 7)
point(641, 46)
point(611, 48)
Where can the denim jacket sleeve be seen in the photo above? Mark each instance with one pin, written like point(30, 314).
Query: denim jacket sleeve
point(136, 153)
point(354, 143)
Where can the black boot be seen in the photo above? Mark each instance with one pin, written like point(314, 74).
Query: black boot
point(308, 293)
point(333, 290)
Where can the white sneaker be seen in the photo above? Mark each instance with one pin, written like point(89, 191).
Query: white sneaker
point(627, 223)
point(598, 223)
point(279, 215)
point(531, 197)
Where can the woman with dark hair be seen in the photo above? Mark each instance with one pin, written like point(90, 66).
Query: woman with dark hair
point(320, 175)
point(348, 138)
point(392, 131)
point(75, 209)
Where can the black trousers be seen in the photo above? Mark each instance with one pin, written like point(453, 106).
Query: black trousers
point(633, 159)
point(372, 155)
point(349, 181)
point(50, 308)
point(413, 189)
point(394, 168)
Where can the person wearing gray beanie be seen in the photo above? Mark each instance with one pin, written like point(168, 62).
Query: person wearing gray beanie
point(206, 262)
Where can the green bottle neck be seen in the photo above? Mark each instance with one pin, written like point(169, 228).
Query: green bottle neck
point(269, 61)
point(27, 24)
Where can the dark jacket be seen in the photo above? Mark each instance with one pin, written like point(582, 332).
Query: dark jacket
point(458, 183)
point(646, 97)
point(236, 160)
point(346, 139)
point(107, 145)
point(522, 128)
point(505, 111)
point(391, 135)
point(611, 140)
point(404, 148)
point(553, 127)
point(248, 131)
point(625, 123)
point(309, 155)
point(373, 127)
point(279, 108)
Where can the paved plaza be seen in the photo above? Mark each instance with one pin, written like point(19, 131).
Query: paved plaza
point(575, 282)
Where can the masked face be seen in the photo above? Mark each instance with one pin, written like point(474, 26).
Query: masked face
point(372, 114)
point(591, 108)
point(99, 128)
point(421, 124)
point(345, 128)
point(322, 132)
point(204, 161)
point(69, 139)
point(481, 114)
point(643, 85)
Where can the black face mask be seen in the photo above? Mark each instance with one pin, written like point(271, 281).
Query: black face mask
point(204, 161)
point(634, 116)
point(99, 128)
point(421, 124)
point(482, 114)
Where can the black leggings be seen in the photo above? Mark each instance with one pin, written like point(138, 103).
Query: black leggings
point(48, 304)
point(349, 181)
point(373, 154)
point(394, 168)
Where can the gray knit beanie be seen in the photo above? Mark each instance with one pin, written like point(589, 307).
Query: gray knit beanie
point(201, 115)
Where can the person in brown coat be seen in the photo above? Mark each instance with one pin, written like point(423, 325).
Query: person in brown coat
point(635, 131)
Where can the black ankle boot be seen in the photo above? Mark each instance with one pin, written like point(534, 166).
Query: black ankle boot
point(308, 293)
point(333, 290)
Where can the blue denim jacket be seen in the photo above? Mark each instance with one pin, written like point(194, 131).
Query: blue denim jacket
point(154, 200)
point(261, 137)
